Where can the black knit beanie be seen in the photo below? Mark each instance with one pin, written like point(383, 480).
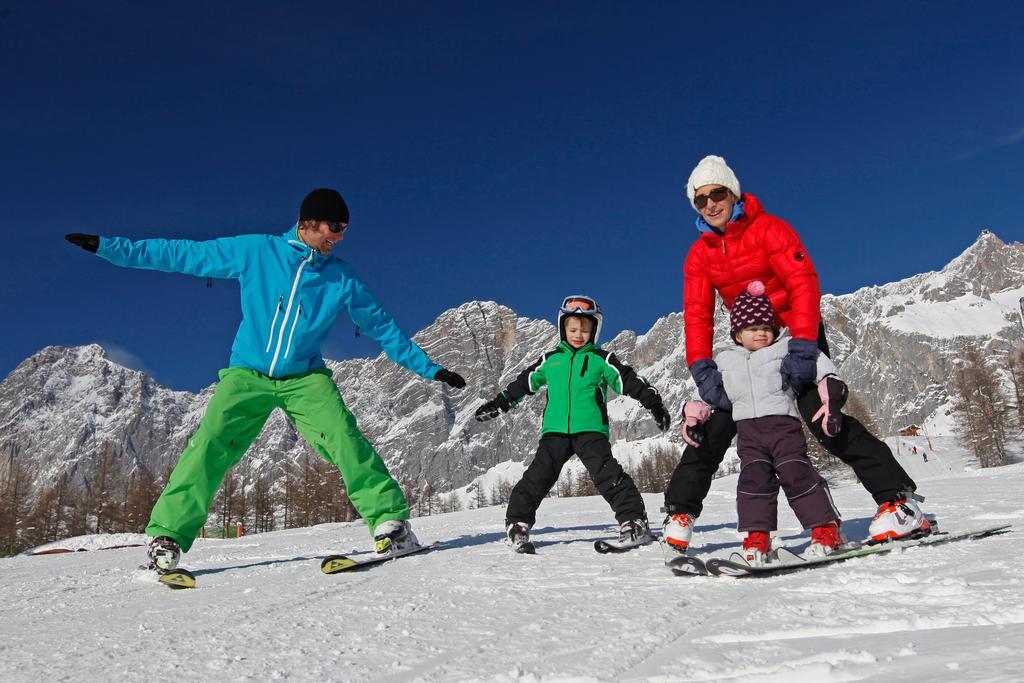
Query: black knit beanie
point(324, 204)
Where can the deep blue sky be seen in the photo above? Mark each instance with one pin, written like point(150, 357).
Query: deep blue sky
point(507, 151)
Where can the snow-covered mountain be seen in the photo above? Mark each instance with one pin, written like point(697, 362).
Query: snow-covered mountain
point(895, 344)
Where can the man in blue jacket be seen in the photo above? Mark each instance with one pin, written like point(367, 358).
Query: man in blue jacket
point(292, 289)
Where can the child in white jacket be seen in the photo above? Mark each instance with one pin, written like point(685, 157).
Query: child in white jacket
point(770, 439)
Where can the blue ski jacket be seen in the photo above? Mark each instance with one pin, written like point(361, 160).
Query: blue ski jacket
point(291, 295)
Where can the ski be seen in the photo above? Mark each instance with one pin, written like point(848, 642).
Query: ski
point(335, 564)
point(177, 579)
point(685, 565)
point(786, 561)
point(605, 547)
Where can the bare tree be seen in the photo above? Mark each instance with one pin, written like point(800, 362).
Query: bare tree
point(565, 484)
point(585, 485)
point(142, 492)
point(14, 496)
point(264, 503)
point(1015, 366)
point(430, 501)
point(480, 498)
point(980, 408)
point(99, 499)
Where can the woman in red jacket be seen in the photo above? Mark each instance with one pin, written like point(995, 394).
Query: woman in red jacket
point(740, 243)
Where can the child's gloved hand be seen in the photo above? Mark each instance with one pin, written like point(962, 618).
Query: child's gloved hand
point(695, 414)
point(661, 416)
point(833, 394)
point(492, 409)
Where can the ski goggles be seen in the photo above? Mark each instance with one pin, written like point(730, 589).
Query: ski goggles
point(579, 304)
point(716, 195)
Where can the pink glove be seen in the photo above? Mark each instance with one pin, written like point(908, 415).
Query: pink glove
point(833, 394)
point(695, 414)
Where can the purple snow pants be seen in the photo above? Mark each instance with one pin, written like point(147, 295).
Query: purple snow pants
point(773, 452)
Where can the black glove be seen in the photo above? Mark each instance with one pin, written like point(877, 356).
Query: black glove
point(490, 410)
point(833, 394)
point(661, 416)
point(799, 366)
point(697, 433)
point(452, 379)
point(87, 242)
point(709, 384)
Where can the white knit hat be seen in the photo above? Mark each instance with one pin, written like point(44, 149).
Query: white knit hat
point(711, 170)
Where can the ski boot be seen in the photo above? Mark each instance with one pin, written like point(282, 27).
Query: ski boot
point(635, 532)
point(677, 531)
point(898, 519)
point(394, 536)
point(519, 537)
point(825, 539)
point(756, 547)
point(164, 554)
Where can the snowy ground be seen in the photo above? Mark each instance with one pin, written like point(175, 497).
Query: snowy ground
point(474, 611)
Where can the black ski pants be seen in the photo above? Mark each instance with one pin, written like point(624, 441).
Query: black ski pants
point(595, 452)
point(871, 459)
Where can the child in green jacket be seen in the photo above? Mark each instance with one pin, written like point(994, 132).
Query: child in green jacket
point(577, 374)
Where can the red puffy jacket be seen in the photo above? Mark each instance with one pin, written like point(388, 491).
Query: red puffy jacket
point(755, 247)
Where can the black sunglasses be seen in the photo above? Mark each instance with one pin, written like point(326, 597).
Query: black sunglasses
point(336, 227)
point(716, 195)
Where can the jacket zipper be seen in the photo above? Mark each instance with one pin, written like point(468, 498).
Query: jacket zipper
point(298, 314)
point(568, 410)
point(288, 310)
point(753, 394)
point(270, 337)
point(586, 359)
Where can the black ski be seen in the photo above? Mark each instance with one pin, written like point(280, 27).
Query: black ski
point(335, 564)
point(605, 547)
point(685, 565)
point(786, 561)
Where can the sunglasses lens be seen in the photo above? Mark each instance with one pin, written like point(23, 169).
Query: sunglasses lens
point(716, 195)
point(335, 227)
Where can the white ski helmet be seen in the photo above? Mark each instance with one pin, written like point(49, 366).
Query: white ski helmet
point(580, 304)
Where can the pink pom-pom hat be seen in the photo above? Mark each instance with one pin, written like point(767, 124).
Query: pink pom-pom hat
point(752, 308)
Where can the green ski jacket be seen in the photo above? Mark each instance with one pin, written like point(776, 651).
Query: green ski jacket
point(578, 382)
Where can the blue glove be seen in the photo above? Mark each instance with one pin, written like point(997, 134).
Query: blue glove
point(709, 384)
point(800, 365)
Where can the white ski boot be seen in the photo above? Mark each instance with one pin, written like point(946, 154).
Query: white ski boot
point(635, 532)
point(394, 536)
point(677, 531)
point(898, 519)
point(518, 534)
point(164, 554)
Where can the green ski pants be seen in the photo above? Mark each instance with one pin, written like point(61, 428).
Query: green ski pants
point(241, 404)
